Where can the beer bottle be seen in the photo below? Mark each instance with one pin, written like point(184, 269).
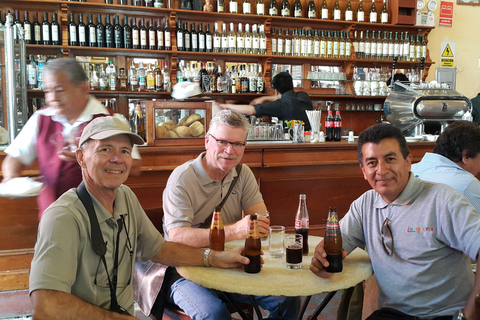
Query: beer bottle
point(329, 126)
point(333, 242)
point(253, 246)
point(217, 233)
point(302, 223)
point(139, 122)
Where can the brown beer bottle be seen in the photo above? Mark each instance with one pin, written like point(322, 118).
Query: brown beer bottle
point(253, 246)
point(217, 233)
point(333, 242)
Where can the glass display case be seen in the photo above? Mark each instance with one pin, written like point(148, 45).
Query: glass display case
point(177, 123)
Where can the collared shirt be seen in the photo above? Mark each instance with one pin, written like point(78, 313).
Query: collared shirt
point(432, 226)
point(437, 168)
point(191, 195)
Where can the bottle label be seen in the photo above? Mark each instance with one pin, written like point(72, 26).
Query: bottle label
point(231, 42)
point(312, 14)
point(28, 32)
point(135, 41)
point(348, 15)
point(168, 39)
point(298, 223)
point(279, 46)
point(233, 7)
point(246, 8)
point(274, 45)
point(73, 34)
point(332, 224)
point(329, 123)
point(338, 124)
point(324, 13)
point(272, 11)
point(336, 14)
point(285, 12)
point(348, 50)
point(133, 80)
point(179, 40)
point(373, 17)
point(81, 34)
point(208, 42)
point(260, 9)
point(201, 42)
point(216, 42)
point(360, 16)
point(46, 33)
point(37, 32)
point(240, 42)
point(151, 38)
point(143, 38)
point(263, 44)
point(159, 39)
point(297, 13)
point(384, 17)
point(256, 43)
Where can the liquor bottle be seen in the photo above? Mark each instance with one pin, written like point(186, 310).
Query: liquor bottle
point(118, 33)
point(360, 12)
point(167, 36)
point(329, 126)
point(55, 30)
point(373, 46)
point(412, 48)
point(303, 44)
point(93, 79)
point(233, 6)
point(103, 80)
point(240, 40)
point(406, 47)
point(273, 40)
point(248, 39)
point(361, 47)
point(167, 83)
point(72, 31)
point(208, 40)
point(329, 44)
point(122, 80)
point(201, 38)
point(180, 38)
point(157, 73)
point(272, 8)
point(333, 242)
point(187, 37)
point(152, 36)
point(400, 47)
point(312, 10)
point(396, 46)
point(99, 32)
point(142, 77)
point(391, 46)
point(218, 81)
point(260, 8)
point(232, 40)
point(135, 34)
point(255, 40)
point(217, 231)
point(337, 12)
point(27, 28)
point(194, 38)
point(379, 46)
point(260, 80)
point(288, 43)
point(424, 48)
point(295, 43)
point(217, 39)
point(418, 48)
point(341, 50)
point(337, 127)
point(368, 46)
point(280, 43)
point(373, 13)
point(109, 33)
point(385, 46)
point(143, 35)
point(302, 222)
point(139, 121)
point(160, 33)
point(32, 72)
point(348, 11)
point(253, 247)
point(37, 29)
point(324, 8)
point(150, 79)
point(263, 40)
point(336, 44)
point(82, 31)
point(323, 44)
point(309, 51)
point(384, 14)
point(112, 76)
point(316, 44)
point(132, 77)
point(127, 34)
point(297, 9)
point(348, 46)
point(17, 22)
point(246, 7)
point(285, 12)
point(92, 32)
point(220, 6)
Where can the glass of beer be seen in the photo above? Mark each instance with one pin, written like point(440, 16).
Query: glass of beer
point(294, 247)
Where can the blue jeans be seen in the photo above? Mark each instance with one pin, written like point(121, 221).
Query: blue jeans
point(200, 303)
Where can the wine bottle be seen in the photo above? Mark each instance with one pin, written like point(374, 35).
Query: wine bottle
point(135, 34)
point(246, 7)
point(82, 31)
point(348, 11)
point(248, 40)
point(360, 12)
point(285, 12)
point(92, 32)
point(72, 30)
point(233, 6)
point(160, 37)
point(180, 39)
point(232, 40)
point(337, 12)
point(37, 29)
point(55, 27)
point(194, 38)
point(220, 6)
point(373, 13)
point(127, 34)
point(224, 42)
point(260, 8)
point(152, 35)
point(201, 38)
point(167, 36)
point(100, 28)
point(273, 40)
point(297, 9)
point(217, 39)
point(324, 12)
point(208, 39)
point(312, 11)
point(384, 13)
point(143, 35)
point(272, 8)
point(17, 22)
point(187, 41)
point(241, 40)
point(27, 28)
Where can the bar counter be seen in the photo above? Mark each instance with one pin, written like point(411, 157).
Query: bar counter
point(328, 173)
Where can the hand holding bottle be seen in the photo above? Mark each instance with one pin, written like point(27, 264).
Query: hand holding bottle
point(319, 261)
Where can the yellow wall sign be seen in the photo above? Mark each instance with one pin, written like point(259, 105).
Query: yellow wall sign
point(447, 56)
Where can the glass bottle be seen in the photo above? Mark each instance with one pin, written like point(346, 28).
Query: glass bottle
point(297, 9)
point(92, 32)
point(82, 31)
point(337, 12)
point(225, 39)
point(336, 45)
point(135, 34)
point(122, 80)
point(337, 127)
point(303, 43)
point(132, 77)
point(150, 79)
point(142, 77)
point(273, 40)
point(348, 46)
point(208, 39)
point(260, 8)
point(139, 121)
point(280, 43)
point(285, 12)
point(373, 13)
point(248, 40)
point(288, 43)
point(412, 48)
point(232, 40)
point(418, 48)
point(396, 46)
point(312, 10)
point(112, 76)
point(260, 80)
point(341, 50)
point(17, 22)
point(180, 39)
point(329, 126)
point(424, 48)
point(360, 12)
point(309, 43)
point(27, 28)
point(194, 38)
point(167, 36)
point(167, 83)
point(384, 13)
point(72, 31)
point(127, 34)
point(329, 44)
point(263, 40)
point(118, 33)
point(272, 8)
point(103, 80)
point(373, 46)
point(255, 40)
point(152, 35)
point(385, 46)
point(46, 29)
point(348, 11)
point(246, 7)
point(406, 47)
point(216, 39)
point(93, 79)
point(253, 247)
point(240, 40)
point(160, 35)
point(302, 222)
point(201, 38)
point(220, 6)
point(157, 73)
point(391, 46)
point(109, 36)
point(233, 6)
point(295, 43)
point(143, 35)
point(324, 8)
point(333, 242)
point(368, 46)
point(37, 29)
point(217, 231)
point(32, 72)
point(323, 44)
point(316, 44)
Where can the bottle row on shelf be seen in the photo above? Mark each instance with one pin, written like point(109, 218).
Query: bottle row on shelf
point(47, 33)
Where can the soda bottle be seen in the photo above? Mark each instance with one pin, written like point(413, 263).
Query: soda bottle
point(302, 223)
point(333, 242)
point(217, 233)
point(337, 127)
point(253, 246)
point(329, 126)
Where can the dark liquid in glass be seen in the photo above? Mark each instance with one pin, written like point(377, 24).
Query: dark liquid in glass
point(294, 254)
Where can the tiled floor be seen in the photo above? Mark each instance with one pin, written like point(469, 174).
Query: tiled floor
point(16, 305)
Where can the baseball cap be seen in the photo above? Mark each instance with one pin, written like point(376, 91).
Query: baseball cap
point(105, 127)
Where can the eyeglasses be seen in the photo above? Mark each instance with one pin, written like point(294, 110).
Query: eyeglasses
point(387, 237)
point(224, 144)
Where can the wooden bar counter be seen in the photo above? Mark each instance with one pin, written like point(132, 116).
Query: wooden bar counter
point(328, 173)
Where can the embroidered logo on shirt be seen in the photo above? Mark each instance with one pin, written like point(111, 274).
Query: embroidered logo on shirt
point(419, 229)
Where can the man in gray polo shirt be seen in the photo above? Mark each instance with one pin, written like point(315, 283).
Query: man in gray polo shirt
point(417, 233)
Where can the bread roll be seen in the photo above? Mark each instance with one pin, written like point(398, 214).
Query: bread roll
point(160, 132)
point(183, 131)
point(167, 124)
point(172, 134)
point(192, 118)
point(197, 129)
point(182, 122)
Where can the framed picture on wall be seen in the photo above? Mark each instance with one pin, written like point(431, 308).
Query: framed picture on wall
point(469, 2)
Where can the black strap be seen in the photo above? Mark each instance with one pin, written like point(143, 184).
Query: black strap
point(206, 224)
point(100, 246)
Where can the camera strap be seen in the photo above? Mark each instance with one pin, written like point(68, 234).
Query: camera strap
point(100, 246)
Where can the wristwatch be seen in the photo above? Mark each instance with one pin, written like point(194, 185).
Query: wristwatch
point(206, 254)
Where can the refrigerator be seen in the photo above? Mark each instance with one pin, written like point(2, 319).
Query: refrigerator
point(13, 81)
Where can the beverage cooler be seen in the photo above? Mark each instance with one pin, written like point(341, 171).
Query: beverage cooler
point(13, 81)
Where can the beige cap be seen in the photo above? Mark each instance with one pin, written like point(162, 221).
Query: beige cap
point(105, 127)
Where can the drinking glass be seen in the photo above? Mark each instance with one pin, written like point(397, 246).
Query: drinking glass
point(294, 248)
point(277, 237)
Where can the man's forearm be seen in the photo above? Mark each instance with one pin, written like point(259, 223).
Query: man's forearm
point(53, 305)
point(11, 168)
point(242, 108)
